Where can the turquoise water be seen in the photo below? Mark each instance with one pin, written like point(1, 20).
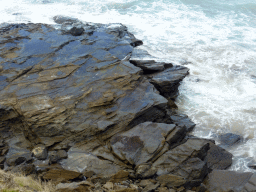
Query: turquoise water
point(217, 39)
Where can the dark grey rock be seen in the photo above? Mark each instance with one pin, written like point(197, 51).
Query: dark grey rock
point(141, 58)
point(148, 66)
point(218, 158)
point(53, 157)
point(168, 81)
point(181, 120)
point(229, 139)
point(222, 181)
point(75, 31)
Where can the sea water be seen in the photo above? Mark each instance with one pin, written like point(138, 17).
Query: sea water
point(215, 39)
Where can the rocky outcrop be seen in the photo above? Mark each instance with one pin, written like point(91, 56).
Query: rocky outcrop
point(82, 103)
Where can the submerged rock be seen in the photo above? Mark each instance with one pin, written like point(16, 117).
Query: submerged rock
point(229, 139)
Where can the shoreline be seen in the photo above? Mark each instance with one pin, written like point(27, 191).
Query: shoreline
point(104, 113)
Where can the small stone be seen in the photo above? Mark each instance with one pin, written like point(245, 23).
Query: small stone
point(109, 185)
point(40, 152)
point(75, 31)
point(53, 157)
point(144, 183)
point(62, 154)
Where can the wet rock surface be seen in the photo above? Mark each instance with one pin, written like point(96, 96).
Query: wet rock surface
point(229, 139)
point(218, 158)
point(82, 102)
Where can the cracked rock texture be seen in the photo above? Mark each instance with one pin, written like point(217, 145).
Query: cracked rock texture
point(81, 102)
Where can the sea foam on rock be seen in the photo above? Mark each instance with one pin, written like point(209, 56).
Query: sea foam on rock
point(81, 96)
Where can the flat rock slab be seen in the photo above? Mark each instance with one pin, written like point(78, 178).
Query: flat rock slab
point(81, 162)
point(225, 181)
point(141, 143)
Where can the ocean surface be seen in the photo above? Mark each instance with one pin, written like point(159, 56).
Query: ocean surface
point(215, 39)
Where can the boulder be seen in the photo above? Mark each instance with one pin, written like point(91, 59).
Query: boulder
point(141, 58)
point(40, 152)
point(82, 162)
point(185, 163)
point(141, 143)
point(53, 157)
point(229, 139)
point(168, 81)
point(218, 158)
point(225, 181)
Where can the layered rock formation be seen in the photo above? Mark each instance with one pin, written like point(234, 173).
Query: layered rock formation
point(81, 103)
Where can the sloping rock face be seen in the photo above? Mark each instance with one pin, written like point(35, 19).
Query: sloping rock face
point(74, 107)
